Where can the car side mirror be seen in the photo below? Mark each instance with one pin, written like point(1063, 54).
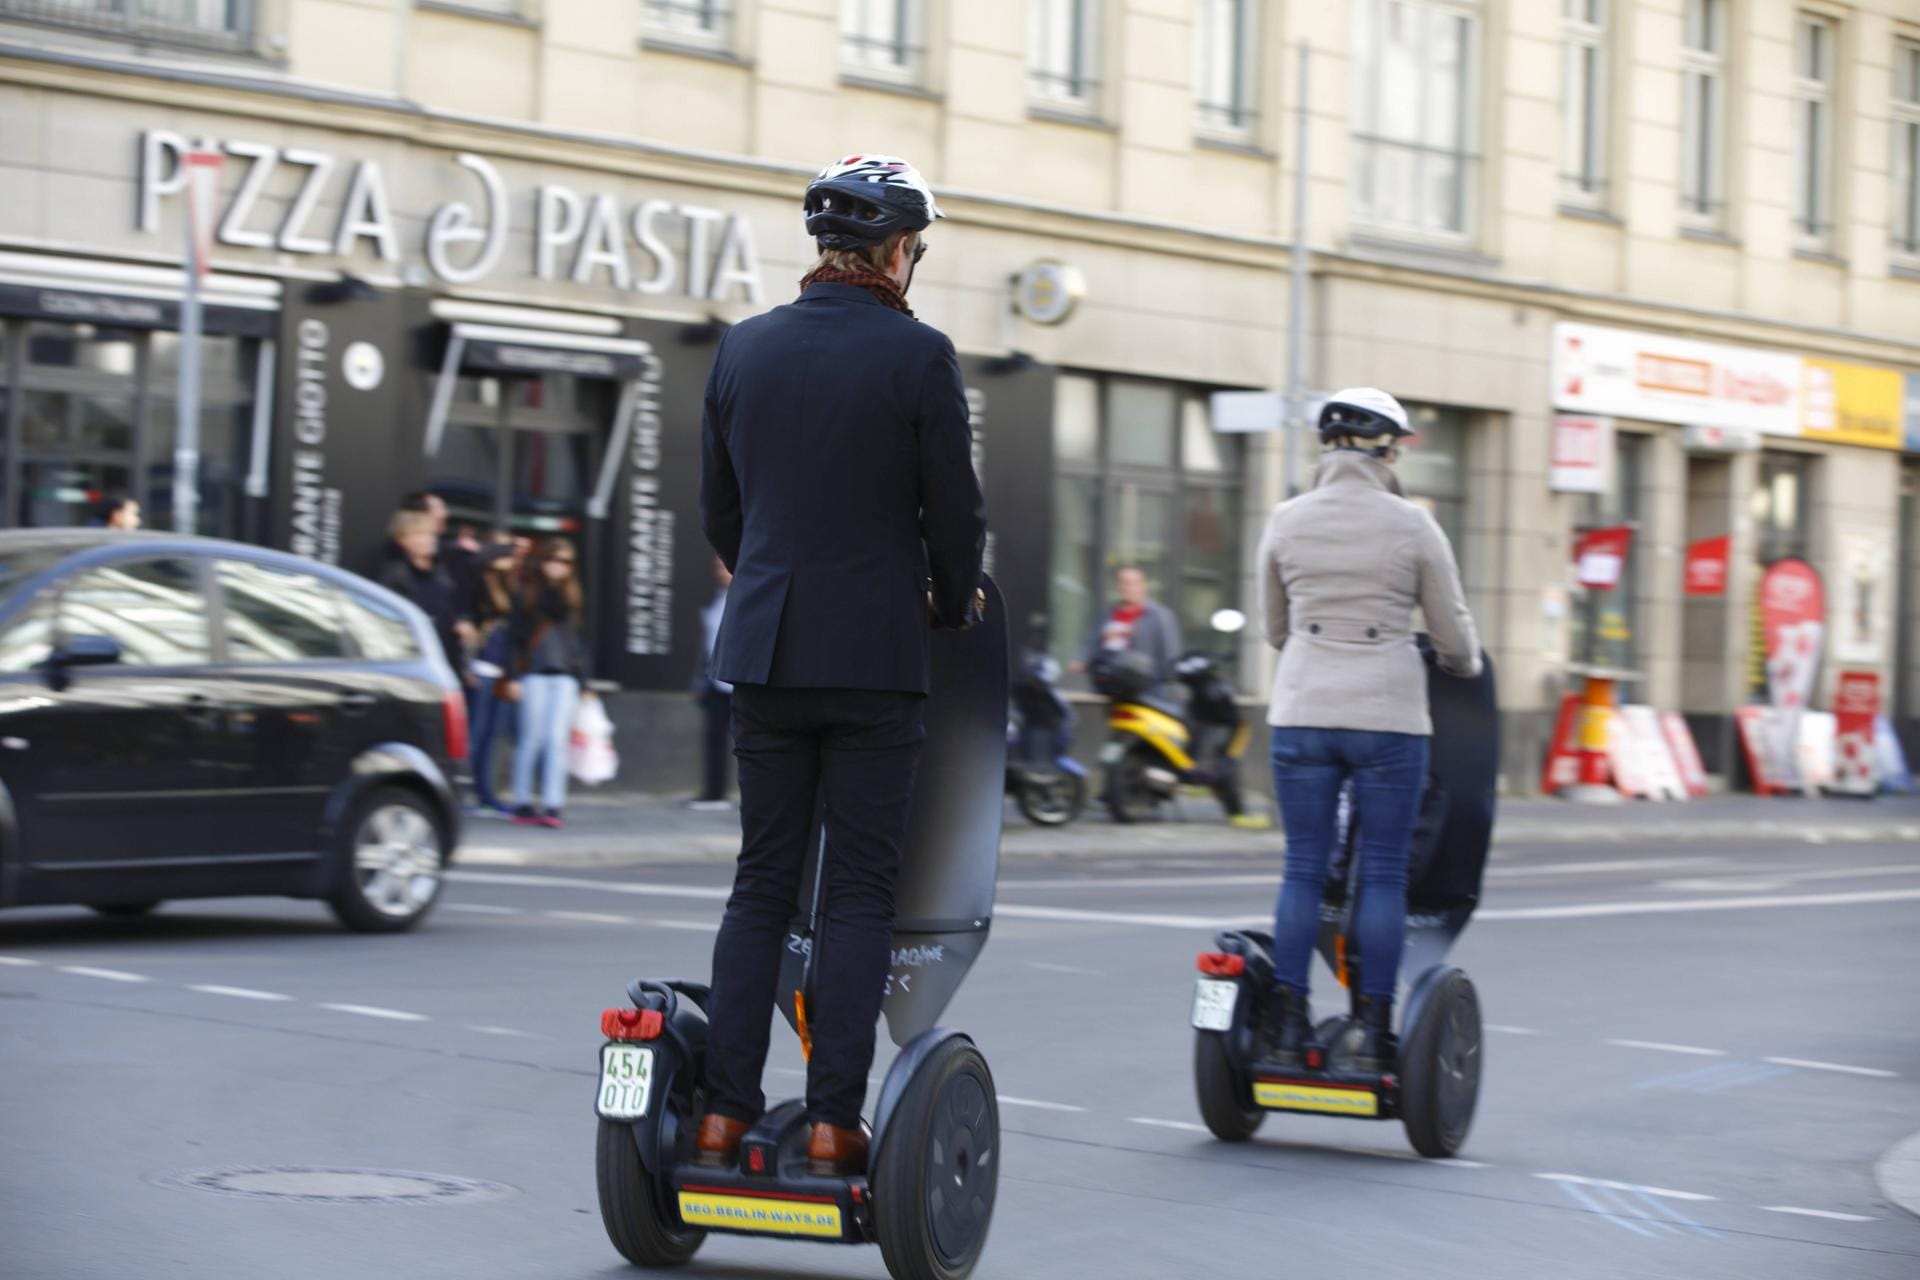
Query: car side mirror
point(87, 651)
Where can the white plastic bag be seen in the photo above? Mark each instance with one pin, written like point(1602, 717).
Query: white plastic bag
point(591, 758)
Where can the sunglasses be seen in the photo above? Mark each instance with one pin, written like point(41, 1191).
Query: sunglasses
point(919, 252)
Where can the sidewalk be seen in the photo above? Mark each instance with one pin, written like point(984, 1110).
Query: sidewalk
point(625, 829)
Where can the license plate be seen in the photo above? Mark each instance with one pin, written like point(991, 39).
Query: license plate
point(1213, 1002)
point(1113, 753)
point(626, 1081)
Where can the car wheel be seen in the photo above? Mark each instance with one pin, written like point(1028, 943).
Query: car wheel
point(124, 910)
point(389, 856)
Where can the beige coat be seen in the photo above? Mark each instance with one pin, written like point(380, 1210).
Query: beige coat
point(1341, 569)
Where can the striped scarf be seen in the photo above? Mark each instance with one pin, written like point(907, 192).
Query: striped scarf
point(880, 286)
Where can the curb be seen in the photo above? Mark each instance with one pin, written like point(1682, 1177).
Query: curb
point(1898, 1173)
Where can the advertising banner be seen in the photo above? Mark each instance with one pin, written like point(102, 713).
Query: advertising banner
point(1600, 556)
point(1793, 612)
point(1562, 769)
point(1856, 706)
point(1631, 374)
point(1582, 453)
point(1706, 566)
point(1851, 404)
point(1686, 753)
point(1657, 765)
point(1863, 598)
point(1769, 764)
point(1913, 413)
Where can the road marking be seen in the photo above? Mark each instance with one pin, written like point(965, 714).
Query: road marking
point(1589, 910)
point(1816, 1213)
point(1841, 1067)
point(1454, 1162)
point(1664, 1047)
point(1185, 1126)
point(1667, 1211)
point(1066, 968)
point(1609, 1184)
point(508, 1031)
point(1196, 923)
point(1721, 1075)
point(588, 917)
point(1040, 1105)
point(238, 993)
point(21, 961)
point(639, 888)
point(482, 909)
point(375, 1011)
point(691, 926)
point(1145, 882)
point(1612, 864)
point(1584, 1199)
point(1508, 1029)
point(111, 975)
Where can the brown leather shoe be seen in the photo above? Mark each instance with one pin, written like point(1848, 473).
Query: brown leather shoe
point(719, 1139)
point(833, 1152)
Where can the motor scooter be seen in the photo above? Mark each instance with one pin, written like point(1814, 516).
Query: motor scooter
point(1044, 779)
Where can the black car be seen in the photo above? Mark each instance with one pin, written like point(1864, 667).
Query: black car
point(183, 718)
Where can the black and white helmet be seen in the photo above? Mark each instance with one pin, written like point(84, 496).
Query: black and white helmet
point(862, 199)
point(1363, 413)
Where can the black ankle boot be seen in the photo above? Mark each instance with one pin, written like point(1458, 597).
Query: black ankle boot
point(1377, 1050)
point(1287, 1027)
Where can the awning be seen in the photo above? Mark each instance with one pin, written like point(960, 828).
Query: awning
point(95, 291)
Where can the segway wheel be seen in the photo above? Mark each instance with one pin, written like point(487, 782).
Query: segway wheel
point(936, 1173)
point(634, 1204)
point(1222, 1090)
point(1054, 801)
point(1440, 1069)
point(1129, 798)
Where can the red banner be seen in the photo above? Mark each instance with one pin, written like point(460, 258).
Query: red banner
point(1707, 566)
point(1600, 556)
point(1856, 704)
point(1793, 614)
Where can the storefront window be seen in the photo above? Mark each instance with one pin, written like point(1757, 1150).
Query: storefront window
point(1604, 624)
point(1779, 505)
point(1433, 468)
point(1140, 479)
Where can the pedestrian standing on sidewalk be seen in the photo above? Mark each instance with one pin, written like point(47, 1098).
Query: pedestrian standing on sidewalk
point(715, 698)
point(550, 675)
point(502, 562)
point(1137, 623)
point(1340, 571)
point(120, 510)
point(416, 574)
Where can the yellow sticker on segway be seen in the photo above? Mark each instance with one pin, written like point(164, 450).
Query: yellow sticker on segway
point(1288, 1095)
point(761, 1213)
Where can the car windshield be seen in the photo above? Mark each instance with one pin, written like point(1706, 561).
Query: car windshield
point(18, 565)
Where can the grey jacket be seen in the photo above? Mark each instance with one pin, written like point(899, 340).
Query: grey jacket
point(1156, 633)
point(1341, 568)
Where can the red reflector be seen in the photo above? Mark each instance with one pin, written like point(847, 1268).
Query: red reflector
point(757, 1159)
point(453, 714)
point(631, 1024)
point(1316, 1059)
point(1217, 964)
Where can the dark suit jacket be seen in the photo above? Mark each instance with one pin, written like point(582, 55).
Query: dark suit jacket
point(836, 477)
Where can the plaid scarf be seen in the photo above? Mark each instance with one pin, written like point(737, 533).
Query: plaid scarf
point(880, 286)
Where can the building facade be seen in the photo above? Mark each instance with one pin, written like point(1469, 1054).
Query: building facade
point(487, 248)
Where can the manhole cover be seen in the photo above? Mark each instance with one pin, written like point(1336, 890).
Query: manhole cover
point(336, 1186)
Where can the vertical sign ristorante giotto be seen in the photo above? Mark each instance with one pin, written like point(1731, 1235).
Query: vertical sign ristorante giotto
point(335, 209)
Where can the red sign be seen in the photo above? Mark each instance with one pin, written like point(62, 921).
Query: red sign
point(1763, 766)
point(1793, 614)
point(1707, 566)
point(1856, 702)
point(1600, 556)
point(1582, 448)
point(1563, 752)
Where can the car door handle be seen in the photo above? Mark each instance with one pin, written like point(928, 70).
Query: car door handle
point(204, 712)
point(359, 701)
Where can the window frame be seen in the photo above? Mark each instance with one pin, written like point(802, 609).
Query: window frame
point(1465, 153)
point(1081, 78)
point(126, 22)
point(1904, 171)
point(1815, 89)
point(1584, 167)
point(658, 28)
point(1236, 120)
point(1704, 146)
point(907, 40)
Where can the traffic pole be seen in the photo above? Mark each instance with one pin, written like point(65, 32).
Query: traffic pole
point(1297, 286)
point(202, 188)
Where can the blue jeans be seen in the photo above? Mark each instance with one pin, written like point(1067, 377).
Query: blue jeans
point(491, 718)
point(1389, 774)
point(547, 703)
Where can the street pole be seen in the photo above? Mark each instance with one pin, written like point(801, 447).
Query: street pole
point(203, 177)
point(1297, 286)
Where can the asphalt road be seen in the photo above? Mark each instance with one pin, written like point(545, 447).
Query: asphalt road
point(1695, 1054)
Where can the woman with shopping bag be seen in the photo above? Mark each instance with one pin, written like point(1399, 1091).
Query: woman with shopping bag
point(549, 669)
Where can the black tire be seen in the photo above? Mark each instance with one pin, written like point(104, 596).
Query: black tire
point(1225, 1101)
point(357, 899)
point(1440, 1063)
point(124, 910)
point(1129, 798)
point(632, 1207)
point(935, 1177)
point(1053, 799)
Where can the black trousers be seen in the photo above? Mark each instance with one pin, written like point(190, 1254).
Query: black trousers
point(855, 752)
point(718, 706)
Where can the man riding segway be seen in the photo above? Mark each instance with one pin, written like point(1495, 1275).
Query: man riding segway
point(836, 480)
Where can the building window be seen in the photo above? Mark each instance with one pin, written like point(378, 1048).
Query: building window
point(1062, 38)
point(220, 24)
point(1603, 626)
point(880, 39)
point(1703, 56)
point(1414, 146)
point(1224, 47)
point(1906, 147)
point(1583, 102)
point(705, 24)
point(1140, 478)
point(1813, 128)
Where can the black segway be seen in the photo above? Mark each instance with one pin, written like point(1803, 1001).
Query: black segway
point(1435, 1083)
point(927, 1195)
